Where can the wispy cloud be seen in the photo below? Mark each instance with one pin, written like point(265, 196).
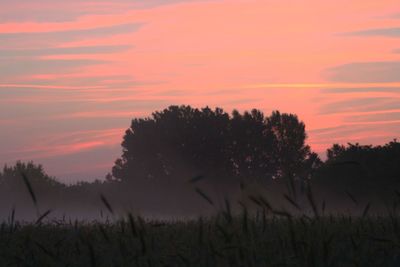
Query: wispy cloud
point(29, 62)
point(104, 114)
point(362, 132)
point(386, 32)
point(376, 117)
point(49, 38)
point(64, 11)
point(51, 51)
point(26, 87)
point(350, 90)
point(14, 67)
point(66, 144)
point(364, 104)
point(384, 71)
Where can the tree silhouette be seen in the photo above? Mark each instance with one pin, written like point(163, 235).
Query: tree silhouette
point(174, 142)
point(250, 145)
point(181, 141)
point(362, 169)
point(292, 158)
point(11, 177)
point(13, 189)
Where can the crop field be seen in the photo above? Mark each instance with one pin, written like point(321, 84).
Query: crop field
point(249, 234)
point(264, 239)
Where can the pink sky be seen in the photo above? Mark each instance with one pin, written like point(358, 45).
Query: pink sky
point(73, 73)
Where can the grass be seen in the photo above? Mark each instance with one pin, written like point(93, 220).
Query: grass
point(260, 236)
point(220, 241)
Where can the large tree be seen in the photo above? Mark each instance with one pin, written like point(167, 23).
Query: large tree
point(181, 141)
point(293, 159)
point(175, 142)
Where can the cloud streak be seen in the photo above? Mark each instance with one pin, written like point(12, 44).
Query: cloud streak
point(66, 11)
point(377, 117)
point(373, 72)
point(385, 32)
point(14, 67)
point(7, 39)
point(350, 90)
point(81, 50)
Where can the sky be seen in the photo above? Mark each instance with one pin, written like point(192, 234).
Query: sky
point(74, 73)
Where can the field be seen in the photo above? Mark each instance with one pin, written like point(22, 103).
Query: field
point(253, 233)
point(264, 239)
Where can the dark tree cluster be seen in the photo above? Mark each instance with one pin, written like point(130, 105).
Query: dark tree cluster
point(362, 169)
point(27, 189)
point(11, 180)
point(181, 141)
point(14, 191)
point(165, 155)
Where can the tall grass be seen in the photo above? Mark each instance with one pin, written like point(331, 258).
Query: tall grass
point(258, 235)
point(218, 241)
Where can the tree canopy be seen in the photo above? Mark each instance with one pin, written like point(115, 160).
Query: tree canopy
point(11, 177)
point(356, 166)
point(180, 141)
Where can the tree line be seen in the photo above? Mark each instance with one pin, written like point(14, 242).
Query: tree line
point(182, 144)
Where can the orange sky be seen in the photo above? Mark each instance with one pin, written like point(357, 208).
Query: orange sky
point(73, 73)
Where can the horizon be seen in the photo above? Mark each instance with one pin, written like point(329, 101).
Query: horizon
point(74, 74)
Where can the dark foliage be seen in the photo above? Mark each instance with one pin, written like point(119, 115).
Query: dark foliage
point(181, 142)
point(181, 150)
point(361, 170)
point(24, 182)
